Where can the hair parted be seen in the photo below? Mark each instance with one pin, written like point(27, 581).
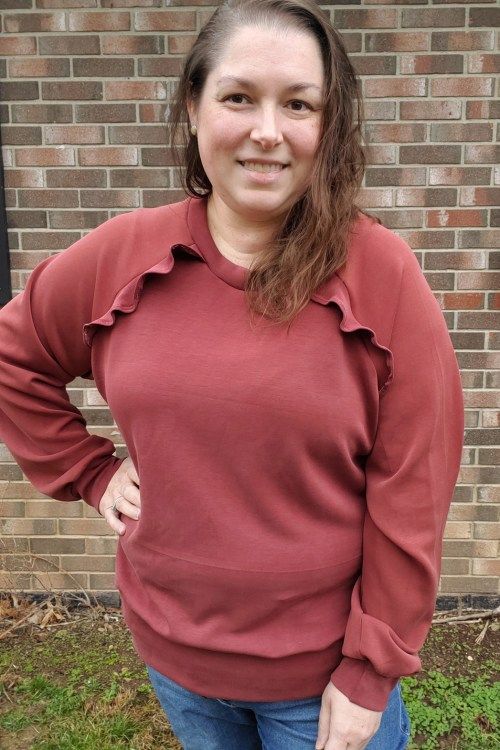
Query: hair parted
point(311, 242)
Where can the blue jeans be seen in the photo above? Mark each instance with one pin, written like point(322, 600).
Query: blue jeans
point(214, 724)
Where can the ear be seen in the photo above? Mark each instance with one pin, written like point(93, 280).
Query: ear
point(191, 111)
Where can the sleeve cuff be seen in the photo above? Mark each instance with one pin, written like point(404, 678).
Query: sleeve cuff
point(93, 485)
point(357, 679)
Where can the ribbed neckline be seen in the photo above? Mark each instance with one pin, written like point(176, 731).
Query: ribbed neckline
point(205, 246)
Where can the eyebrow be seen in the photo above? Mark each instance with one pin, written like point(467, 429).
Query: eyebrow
point(248, 84)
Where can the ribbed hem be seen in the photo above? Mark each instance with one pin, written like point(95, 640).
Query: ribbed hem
point(357, 679)
point(230, 676)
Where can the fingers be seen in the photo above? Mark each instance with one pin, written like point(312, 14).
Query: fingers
point(131, 470)
point(323, 725)
point(113, 521)
point(127, 502)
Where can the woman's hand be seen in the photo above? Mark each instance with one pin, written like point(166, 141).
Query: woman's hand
point(124, 484)
point(344, 725)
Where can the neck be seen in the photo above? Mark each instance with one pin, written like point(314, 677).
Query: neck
point(236, 237)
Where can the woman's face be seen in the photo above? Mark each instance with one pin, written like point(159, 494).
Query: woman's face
point(273, 114)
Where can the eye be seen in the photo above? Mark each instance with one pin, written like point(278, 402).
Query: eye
point(232, 96)
point(299, 101)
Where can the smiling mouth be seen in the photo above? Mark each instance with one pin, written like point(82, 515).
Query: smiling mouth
point(265, 168)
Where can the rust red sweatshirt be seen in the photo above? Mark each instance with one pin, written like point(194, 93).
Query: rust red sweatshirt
point(294, 485)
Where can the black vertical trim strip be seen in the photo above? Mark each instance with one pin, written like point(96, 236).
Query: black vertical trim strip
point(5, 282)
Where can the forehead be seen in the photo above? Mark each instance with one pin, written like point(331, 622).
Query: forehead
point(261, 55)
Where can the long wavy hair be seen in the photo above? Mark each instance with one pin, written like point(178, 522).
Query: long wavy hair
point(312, 241)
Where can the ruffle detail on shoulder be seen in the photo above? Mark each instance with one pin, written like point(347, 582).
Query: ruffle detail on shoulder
point(334, 290)
point(127, 298)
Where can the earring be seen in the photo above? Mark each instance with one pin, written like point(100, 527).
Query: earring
point(193, 129)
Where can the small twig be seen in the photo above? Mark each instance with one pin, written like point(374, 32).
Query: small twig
point(473, 616)
point(481, 635)
point(17, 624)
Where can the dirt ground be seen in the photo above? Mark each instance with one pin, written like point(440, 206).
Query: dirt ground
point(456, 649)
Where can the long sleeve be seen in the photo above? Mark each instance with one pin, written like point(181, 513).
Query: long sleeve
point(411, 473)
point(41, 350)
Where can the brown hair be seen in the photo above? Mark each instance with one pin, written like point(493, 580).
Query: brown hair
point(311, 243)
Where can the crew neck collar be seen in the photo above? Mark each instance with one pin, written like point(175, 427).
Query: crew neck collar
point(204, 245)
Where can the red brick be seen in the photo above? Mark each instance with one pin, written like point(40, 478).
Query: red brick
point(397, 41)
point(479, 238)
point(462, 86)
point(459, 175)
point(128, 44)
point(429, 110)
point(487, 109)
point(446, 41)
point(482, 154)
point(462, 301)
point(108, 156)
point(425, 197)
point(479, 196)
point(57, 178)
point(19, 90)
point(491, 418)
point(162, 67)
point(102, 581)
point(432, 17)
point(365, 18)
point(39, 67)
point(458, 530)
point(134, 90)
point(41, 113)
point(109, 198)
point(478, 63)
point(99, 21)
point(486, 567)
point(101, 112)
point(461, 132)
point(75, 90)
point(22, 22)
point(456, 218)
point(165, 20)
point(180, 44)
point(48, 198)
point(17, 45)
point(103, 67)
point(65, 44)
point(45, 156)
point(455, 566)
point(475, 399)
point(85, 563)
point(489, 17)
point(11, 509)
point(23, 178)
point(463, 585)
point(428, 64)
point(53, 581)
point(387, 87)
point(74, 134)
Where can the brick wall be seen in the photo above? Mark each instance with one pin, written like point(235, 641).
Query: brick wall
point(85, 85)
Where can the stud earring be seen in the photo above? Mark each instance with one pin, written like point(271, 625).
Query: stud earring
point(193, 129)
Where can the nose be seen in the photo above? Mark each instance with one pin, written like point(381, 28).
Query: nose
point(267, 131)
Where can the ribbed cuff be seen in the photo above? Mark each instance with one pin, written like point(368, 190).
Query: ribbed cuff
point(92, 486)
point(357, 679)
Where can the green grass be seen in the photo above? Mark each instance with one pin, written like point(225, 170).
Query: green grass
point(465, 711)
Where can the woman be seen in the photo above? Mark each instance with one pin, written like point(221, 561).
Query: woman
point(282, 508)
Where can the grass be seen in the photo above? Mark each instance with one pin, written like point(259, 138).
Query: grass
point(82, 687)
point(453, 712)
